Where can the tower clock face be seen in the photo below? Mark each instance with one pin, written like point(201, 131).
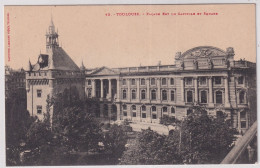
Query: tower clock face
point(36, 67)
point(40, 60)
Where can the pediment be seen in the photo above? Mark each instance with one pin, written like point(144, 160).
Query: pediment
point(104, 71)
point(203, 52)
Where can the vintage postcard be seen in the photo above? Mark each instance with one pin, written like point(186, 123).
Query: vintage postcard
point(130, 84)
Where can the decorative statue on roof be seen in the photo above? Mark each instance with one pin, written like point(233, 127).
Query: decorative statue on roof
point(226, 61)
point(195, 63)
point(182, 65)
point(230, 51)
point(178, 55)
point(210, 63)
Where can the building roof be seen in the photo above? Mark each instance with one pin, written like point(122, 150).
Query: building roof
point(60, 60)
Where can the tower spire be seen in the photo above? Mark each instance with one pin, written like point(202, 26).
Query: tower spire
point(82, 67)
point(52, 39)
point(29, 67)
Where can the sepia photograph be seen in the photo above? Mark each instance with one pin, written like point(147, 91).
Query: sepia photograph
point(130, 84)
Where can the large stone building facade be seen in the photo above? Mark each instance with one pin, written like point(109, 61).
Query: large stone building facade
point(205, 76)
point(54, 74)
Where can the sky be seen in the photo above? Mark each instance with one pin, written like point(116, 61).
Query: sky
point(88, 34)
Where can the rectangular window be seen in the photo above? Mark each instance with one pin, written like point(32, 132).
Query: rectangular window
point(243, 115)
point(154, 116)
point(217, 80)
point(203, 97)
point(172, 81)
point(164, 81)
point(133, 81)
point(143, 115)
point(203, 81)
point(125, 113)
point(89, 82)
point(142, 81)
point(39, 93)
point(243, 124)
point(39, 109)
point(134, 114)
point(124, 82)
point(240, 80)
point(172, 95)
point(188, 81)
point(189, 97)
point(152, 81)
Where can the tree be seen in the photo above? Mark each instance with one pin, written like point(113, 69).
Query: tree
point(205, 139)
point(18, 121)
point(151, 148)
point(75, 129)
point(114, 140)
point(169, 120)
point(39, 144)
point(197, 139)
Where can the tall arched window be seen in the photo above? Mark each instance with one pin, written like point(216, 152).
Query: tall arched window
point(164, 109)
point(124, 107)
point(134, 107)
point(143, 111)
point(173, 110)
point(153, 108)
point(164, 95)
point(143, 94)
point(153, 95)
point(105, 110)
point(133, 110)
point(163, 81)
point(143, 108)
point(241, 97)
point(172, 95)
point(124, 94)
point(219, 97)
point(133, 94)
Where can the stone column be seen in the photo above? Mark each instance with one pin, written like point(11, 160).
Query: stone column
point(109, 89)
point(159, 89)
point(119, 112)
point(227, 103)
point(169, 95)
point(148, 89)
point(118, 90)
point(128, 89)
point(102, 88)
point(182, 90)
point(138, 89)
point(196, 89)
point(211, 104)
point(93, 83)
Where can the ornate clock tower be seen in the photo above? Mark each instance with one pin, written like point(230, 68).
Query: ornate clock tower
point(54, 73)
